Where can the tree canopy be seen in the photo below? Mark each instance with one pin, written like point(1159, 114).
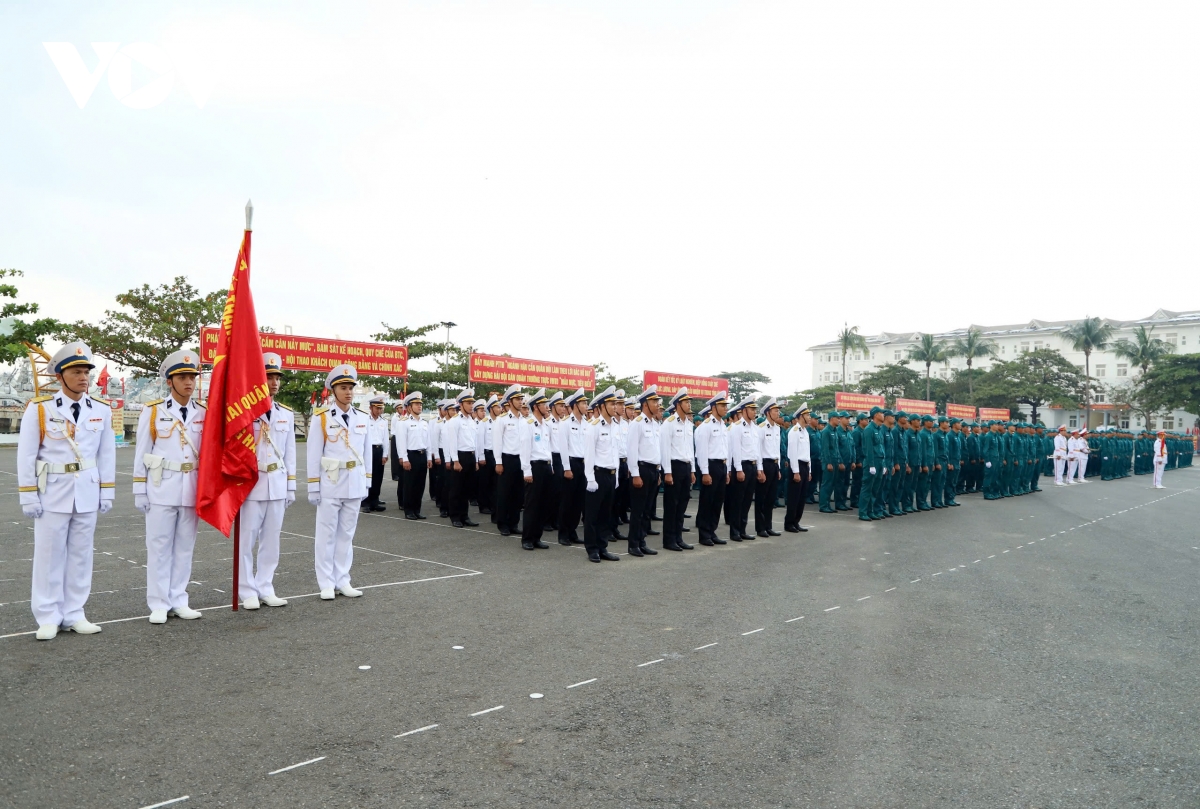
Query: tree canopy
point(1172, 383)
point(743, 383)
point(15, 330)
point(1039, 378)
point(152, 323)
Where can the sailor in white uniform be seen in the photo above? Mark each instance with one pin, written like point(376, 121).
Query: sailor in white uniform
point(338, 443)
point(1160, 458)
point(1060, 456)
point(262, 512)
point(164, 486)
point(66, 470)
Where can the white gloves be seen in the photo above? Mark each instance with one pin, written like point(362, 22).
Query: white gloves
point(872, 470)
point(142, 503)
point(105, 506)
point(988, 465)
point(593, 486)
point(32, 511)
point(314, 498)
point(291, 498)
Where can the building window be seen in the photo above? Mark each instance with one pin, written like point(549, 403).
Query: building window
point(1003, 349)
point(1122, 370)
point(1124, 422)
point(1101, 370)
point(1100, 399)
point(1073, 421)
point(1171, 338)
point(897, 355)
point(1037, 345)
point(1168, 423)
point(1024, 348)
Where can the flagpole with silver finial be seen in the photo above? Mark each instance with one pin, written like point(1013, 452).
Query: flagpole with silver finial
point(249, 214)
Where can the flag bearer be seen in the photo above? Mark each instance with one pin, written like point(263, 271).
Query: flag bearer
point(262, 511)
point(66, 472)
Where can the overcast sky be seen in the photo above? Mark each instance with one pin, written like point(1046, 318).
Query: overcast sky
point(691, 186)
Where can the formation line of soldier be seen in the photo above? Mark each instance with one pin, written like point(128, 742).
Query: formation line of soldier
point(533, 463)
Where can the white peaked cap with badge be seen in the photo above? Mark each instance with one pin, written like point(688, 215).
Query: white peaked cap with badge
point(574, 397)
point(181, 362)
point(679, 396)
point(378, 399)
point(272, 362)
point(72, 355)
point(536, 398)
point(603, 396)
point(510, 394)
point(468, 393)
point(800, 411)
point(769, 404)
point(556, 398)
point(415, 396)
point(341, 373)
point(493, 399)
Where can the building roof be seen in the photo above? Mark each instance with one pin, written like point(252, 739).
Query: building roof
point(1031, 327)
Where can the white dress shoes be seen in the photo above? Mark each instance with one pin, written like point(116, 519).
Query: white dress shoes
point(158, 616)
point(327, 594)
point(84, 627)
point(186, 613)
point(349, 592)
point(47, 632)
point(274, 601)
point(250, 603)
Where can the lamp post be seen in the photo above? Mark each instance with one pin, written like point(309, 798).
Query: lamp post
point(446, 357)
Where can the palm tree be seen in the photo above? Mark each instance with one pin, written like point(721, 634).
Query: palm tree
point(850, 340)
point(928, 351)
point(1143, 350)
point(972, 347)
point(1088, 335)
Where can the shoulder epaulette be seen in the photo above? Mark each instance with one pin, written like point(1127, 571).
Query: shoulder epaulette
point(153, 403)
point(360, 410)
point(320, 410)
point(671, 417)
point(202, 405)
point(102, 401)
point(285, 407)
point(594, 421)
point(40, 399)
point(529, 421)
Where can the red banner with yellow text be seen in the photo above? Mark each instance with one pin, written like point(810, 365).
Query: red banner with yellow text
point(856, 401)
point(919, 406)
point(994, 413)
point(320, 354)
point(491, 369)
point(237, 395)
point(699, 387)
point(957, 411)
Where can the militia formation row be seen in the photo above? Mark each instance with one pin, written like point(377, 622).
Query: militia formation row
point(533, 463)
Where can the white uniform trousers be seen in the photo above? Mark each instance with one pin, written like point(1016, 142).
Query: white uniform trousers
point(1072, 466)
point(1059, 464)
point(62, 566)
point(1159, 465)
point(333, 547)
point(1080, 468)
point(261, 523)
point(170, 540)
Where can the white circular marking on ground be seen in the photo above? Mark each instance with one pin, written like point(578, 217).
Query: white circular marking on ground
point(363, 668)
point(536, 696)
point(456, 647)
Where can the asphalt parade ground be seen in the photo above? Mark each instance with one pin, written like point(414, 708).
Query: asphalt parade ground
point(1039, 651)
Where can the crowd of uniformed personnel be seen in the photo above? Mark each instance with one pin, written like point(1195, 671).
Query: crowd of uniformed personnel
point(531, 462)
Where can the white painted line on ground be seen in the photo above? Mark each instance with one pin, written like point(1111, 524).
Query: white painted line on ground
point(752, 631)
point(798, 617)
point(831, 609)
point(705, 646)
point(487, 710)
point(864, 598)
point(976, 562)
point(585, 682)
point(301, 764)
point(938, 573)
point(888, 590)
point(993, 556)
point(411, 732)
point(167, 803)
point(1004, 551)
point(914, 581)
point(650, 662)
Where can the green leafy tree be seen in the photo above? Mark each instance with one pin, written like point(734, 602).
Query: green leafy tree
point(15, 331)
point(152, 323)
point(819, 399)
point(1143, 350)
point(928, 351)
point(606, 377)
point(972, 347)
point(743, 383)
point(1088, 335)
point(1039, 378)
point(1173, 383)
point(449, 373)
point(892, 381)
point(849, 340)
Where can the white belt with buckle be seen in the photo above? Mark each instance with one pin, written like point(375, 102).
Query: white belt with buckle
point(155, 464)
point(268, 467)
point(334, 466)
point(45, 469)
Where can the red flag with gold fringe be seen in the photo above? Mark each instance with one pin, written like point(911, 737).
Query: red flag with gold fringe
point(237, 395)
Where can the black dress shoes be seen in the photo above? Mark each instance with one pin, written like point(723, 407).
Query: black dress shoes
point(707, 542)
point(504, 532)
point(652, 533)
point(566, 542)
point(537, 543)
point(686, 530)
point(671, 548)
point(648, 551)
point(470, 523)
point(456, 523)
point(771, 532)
point(609, 557)
point(618, 535)
point(593, 556)
point(410, 516)
point(527, 546)
point(791, 529)
point(635, 550)
point(718, 541)
point(685, 546)
point(422, 517)
point(443, 513)
point(735, 536)
point(762, 534)
point(379, 507)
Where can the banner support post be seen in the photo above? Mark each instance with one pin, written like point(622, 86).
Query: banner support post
point(237, 554)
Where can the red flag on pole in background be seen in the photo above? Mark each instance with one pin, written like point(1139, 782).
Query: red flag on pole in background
point(102, 380)
point(237, 395)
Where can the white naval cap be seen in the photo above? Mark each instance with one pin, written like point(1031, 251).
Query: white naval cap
point(341, 373)
point(378, 399)
point(704, 411)
point(631, 401)
point(72, 355)
point(767, 405)
point(645, 396)
point(415, 396)
point(467, 395)
point(801, 410)
point(556, 398)
point(679, 396)
point(536, 398)
point(574, 397)
point(493, 399)
point(272, 362)
point(181, 362)
point(749, 401)
point(513, 392)
point(716, 400)
point(480, 404)
point(603, 396)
